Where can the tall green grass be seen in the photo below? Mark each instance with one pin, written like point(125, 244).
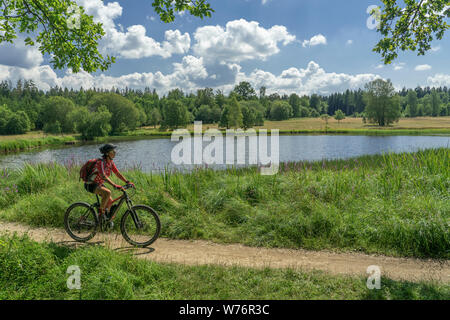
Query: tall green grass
point(30, 270)
point(24, 144)
point(394, 204)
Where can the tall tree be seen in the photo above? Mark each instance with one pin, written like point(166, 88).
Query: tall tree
point(234, 116)
point(244, 91)
point(383, 106)
point(412, 103)
point(435, 103)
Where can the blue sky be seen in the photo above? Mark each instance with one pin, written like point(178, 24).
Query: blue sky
point(302, 46)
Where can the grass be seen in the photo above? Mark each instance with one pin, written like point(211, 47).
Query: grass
point(19, 144)
point(392, 204)
point(406, 126)
point(31, 270)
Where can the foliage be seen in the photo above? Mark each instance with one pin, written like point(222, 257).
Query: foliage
point(57, 109)
point(244, 91)
point(339, 115)
point(382, 104)
point(412, 103)
point(412, 27)
point(70, 44)
point(280, 110)
point(167, 8)
point(91, 124)
point(175, 114)
point(252, 113)
point(234, 114)
point(13, 123)
point(124, 113)
point(63, 30)
point(52, 127)
point(154, 117)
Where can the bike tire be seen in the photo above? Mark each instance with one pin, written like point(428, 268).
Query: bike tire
point(154, 219)
point(90, 213)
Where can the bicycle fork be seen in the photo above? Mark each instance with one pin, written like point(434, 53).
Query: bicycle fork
point(135, 217)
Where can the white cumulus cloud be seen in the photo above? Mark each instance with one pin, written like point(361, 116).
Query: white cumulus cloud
point(240, 40)
point(134, 42)
point(439, 80)
point(315, 41)
point(312, 79)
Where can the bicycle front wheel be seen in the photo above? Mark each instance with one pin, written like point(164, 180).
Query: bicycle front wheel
point(140, 226)
point(80, 221)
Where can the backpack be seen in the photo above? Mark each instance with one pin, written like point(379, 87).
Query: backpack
point(87, 169)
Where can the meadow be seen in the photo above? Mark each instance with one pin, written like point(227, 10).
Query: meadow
point(392, 204)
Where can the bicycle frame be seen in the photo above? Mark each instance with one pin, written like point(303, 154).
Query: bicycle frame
point(123, 198)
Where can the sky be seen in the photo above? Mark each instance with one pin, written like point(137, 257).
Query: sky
point(287, 46)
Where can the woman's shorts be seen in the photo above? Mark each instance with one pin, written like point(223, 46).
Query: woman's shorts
point(90, 187)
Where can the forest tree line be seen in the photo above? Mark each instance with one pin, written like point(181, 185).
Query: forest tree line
point(99, 112)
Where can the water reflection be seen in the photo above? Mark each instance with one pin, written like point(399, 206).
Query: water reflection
point(154, 155)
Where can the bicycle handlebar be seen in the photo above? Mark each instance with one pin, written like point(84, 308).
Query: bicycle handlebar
point(128, 186)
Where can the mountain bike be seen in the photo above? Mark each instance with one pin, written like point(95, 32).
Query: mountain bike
point(140, 224)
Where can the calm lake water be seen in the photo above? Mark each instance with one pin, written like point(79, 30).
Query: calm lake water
point(155, 154)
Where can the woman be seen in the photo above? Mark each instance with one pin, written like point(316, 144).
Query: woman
point(101, 173)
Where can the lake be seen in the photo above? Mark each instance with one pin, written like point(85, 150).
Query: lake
point(153, 155)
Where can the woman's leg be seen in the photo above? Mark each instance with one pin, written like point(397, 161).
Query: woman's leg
point(105, 194)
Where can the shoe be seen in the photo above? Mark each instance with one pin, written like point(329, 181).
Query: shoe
point(111, 224)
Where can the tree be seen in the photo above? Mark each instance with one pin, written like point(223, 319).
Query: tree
point(412, 103)
point(314, 102)
point(52, 127)
point(5, 115)
point(18, 123)
point(91, 124)
point(280, 110)
point(154, 117)
point(339, 115)
point(68, 34)
point(175, 114)
point(253, 113)
point(383, 106)
point(57, 109)
point(411, 28)
point(124, 114)
point(234, 115)
point(435, 104)
point(244, 91)
point(204, 114)
point(294, 101)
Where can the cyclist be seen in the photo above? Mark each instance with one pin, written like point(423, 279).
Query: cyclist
point(101, 173)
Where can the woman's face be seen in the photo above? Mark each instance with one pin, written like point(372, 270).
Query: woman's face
point(112, 154)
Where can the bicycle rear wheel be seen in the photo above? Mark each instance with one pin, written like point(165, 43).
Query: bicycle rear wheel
point(80, 222)
point(140, 226)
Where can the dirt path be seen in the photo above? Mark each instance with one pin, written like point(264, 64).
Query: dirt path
point(204, 252)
